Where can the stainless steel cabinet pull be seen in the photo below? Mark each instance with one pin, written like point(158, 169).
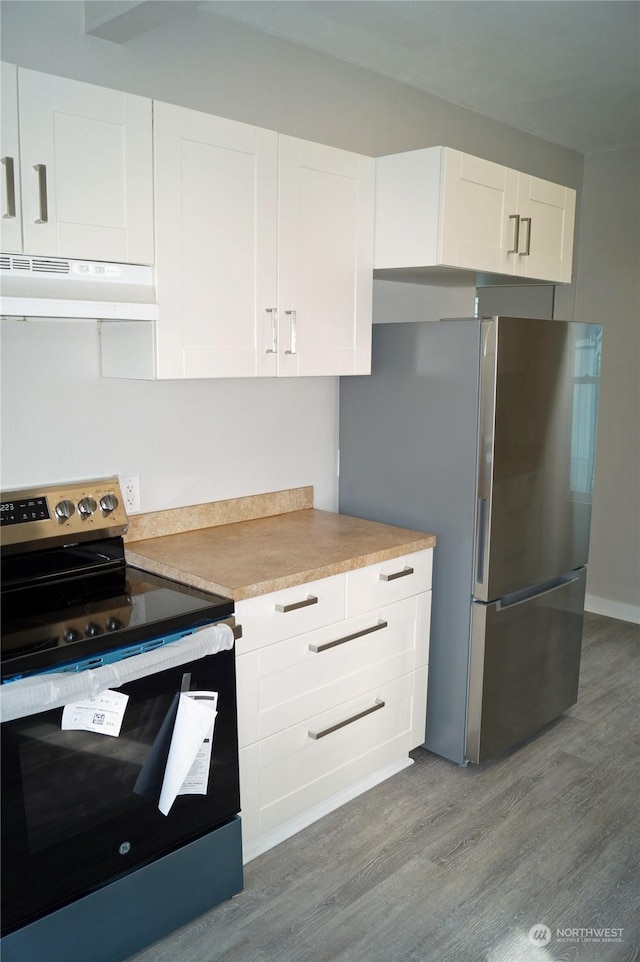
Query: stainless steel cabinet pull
point(516, 233)
point(274, 330)
point(309, 600)
point(341, 641)
point(361, 714)
point(396, 574)
point(294, 336)
point(41, 171)
point(527, 249)
point(11, 187)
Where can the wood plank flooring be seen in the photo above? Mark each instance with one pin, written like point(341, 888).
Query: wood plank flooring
point(456, 864)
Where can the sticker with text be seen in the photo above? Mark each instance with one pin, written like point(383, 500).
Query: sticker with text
point(103, 714)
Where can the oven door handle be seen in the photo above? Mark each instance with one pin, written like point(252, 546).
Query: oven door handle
point(236, 629)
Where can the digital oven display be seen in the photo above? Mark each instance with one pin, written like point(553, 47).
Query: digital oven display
point(29, 509)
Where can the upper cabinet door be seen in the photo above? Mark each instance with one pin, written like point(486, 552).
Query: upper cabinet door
point(547, 214)
point(325, 259)
point(10, 201)
point(477, 198)
point(87, 170)
point(439, 207)
point(216, 245)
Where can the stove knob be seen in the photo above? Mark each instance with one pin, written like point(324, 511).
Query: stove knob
point(114, 624)
point(86, 507)
point(64, 509)
point(71, 635)
point(92, 629)
point(109, 503)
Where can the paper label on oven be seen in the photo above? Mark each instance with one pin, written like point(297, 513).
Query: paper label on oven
point(187, 770)
point(103, 714)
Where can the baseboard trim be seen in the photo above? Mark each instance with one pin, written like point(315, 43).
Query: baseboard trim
point(257, 846)
point(612, 609)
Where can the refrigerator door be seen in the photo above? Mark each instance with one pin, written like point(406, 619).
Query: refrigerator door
point(537, 426)
point(525, 662)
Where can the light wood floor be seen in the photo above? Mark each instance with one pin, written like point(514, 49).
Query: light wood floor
point(456, 864)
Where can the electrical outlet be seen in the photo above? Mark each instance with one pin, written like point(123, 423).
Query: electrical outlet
point(130, 488)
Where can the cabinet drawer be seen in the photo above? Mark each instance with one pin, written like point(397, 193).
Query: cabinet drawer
point(388, 581)
point(292, 611)
point(303, 676)
point(308, 762)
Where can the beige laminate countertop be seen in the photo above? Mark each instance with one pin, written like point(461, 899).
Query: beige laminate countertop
point(247, 558)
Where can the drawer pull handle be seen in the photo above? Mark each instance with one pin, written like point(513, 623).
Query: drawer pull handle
point(334, 728)
point(341, 641)
point(397, 574)
point(309, 600)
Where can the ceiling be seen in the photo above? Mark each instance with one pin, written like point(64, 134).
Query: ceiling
point(564, 70)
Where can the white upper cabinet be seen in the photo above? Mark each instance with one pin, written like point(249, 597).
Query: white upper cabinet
point(439, 207)
point(85, 168)
point(264, 255)
point(216, 245)
point(325, 253)
point(10, 200)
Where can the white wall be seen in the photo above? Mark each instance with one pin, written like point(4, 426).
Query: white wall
point(608, 292)
point(190, 442)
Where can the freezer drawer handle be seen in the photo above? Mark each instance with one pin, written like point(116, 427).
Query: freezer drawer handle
point(309, 600)
point(361, 714)
point(519, 598)
point(396, 574)
point(341, 641)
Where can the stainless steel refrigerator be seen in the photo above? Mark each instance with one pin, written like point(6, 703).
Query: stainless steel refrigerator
point(482, 431)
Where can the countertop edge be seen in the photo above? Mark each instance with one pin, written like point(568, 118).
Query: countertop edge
point(244, 592)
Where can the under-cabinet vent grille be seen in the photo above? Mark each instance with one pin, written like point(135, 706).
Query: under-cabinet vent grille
point(46, 266)
point(35, 265)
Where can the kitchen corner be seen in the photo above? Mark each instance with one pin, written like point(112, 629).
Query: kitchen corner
point(245, 547)
point(332, 662)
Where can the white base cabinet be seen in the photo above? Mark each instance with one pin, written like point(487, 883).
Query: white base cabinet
point(332, 684)
point(439, 207)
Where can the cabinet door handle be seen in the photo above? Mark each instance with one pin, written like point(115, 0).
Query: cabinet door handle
point(527, 247)
point(41, 171)
point(348, 721)
point(516, 233)
point(274, 330)
point(294, 336)
point(396, 574)
point(341, 641)
point(10, 181)
point(309, 600)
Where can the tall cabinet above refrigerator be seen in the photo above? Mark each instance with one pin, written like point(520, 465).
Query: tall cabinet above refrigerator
point(482, 431)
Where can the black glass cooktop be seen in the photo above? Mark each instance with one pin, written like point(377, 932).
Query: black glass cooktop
point(58, 609)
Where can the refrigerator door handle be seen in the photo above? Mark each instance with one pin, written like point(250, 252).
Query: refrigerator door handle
point(529, 594)
point(482, 528)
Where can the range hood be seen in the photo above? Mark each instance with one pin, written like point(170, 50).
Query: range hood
point(62, 288)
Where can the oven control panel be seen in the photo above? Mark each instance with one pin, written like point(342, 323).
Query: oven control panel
point(58, 513)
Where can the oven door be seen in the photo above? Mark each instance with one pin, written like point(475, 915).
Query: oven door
point(73, 816)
